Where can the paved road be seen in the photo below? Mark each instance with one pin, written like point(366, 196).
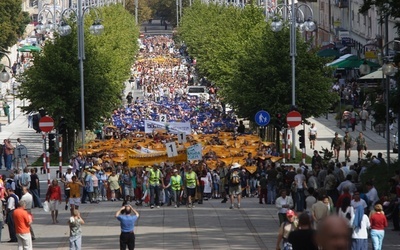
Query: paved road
point(208, 226)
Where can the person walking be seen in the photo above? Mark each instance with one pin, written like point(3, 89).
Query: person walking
point(127, 216)
point(364, 116)
point(53, 197)
point(378, 224)
point(34, 188)
point(235, 188)
point(67, 178)
point(335, 145)
point(191, 182)
point(360, 226)
point(12, 204)
point(113, 183)
point(28, 198)
point(285, 229)
point(262, 189)
point(283, 203)
point(176, 185)
point(361, 145)
point(74, 193)
point(155, 178)
point(312, 135)
point(22, 220)
point(300, 182)
point(75, 231)
point(348, 143)
point(8, 153)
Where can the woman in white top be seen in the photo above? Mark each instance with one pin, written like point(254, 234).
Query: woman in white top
point(361, 225)
point(346, 211)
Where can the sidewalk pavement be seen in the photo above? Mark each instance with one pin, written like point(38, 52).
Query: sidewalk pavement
point(326, 131)
point(211, 225)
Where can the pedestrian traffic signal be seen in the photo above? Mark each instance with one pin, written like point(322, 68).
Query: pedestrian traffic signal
point(62, 126)
point(278, 121)
point(302, 140)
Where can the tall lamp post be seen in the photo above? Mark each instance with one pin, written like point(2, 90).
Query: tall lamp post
point(95, 29)
point(296, 19)
point(388, 70)
point(5, 77)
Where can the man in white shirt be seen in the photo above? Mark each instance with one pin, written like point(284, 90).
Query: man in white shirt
point(357, 201)
point(67, 178)
point(283, 203)
point(372, 195)
point(28, 198)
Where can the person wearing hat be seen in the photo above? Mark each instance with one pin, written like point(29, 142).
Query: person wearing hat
point(348, 143)
point(191, 182)
point(155, 178)
point(335, 145)
point(234, 182)
point(176, 185)
point(285, 229)
point(66, 178)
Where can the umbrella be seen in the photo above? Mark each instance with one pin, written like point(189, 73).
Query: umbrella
point(29, 48)
point(328, 53)
point(352, 63)
point(374, 75)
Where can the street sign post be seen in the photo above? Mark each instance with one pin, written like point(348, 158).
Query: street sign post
point(262, 118)
point(293, 119)
point(46, 124)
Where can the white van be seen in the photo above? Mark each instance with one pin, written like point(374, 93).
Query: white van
point(200, 91)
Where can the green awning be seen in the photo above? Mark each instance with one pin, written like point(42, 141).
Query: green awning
point(329, 53)
point(353, 63)
point(29, 48)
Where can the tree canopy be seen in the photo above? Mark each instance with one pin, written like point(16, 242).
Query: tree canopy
point(12, 22)
point(53, 82)
point(144, 10)
point(236, 49)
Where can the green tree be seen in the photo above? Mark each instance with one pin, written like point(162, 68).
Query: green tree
point(13, 22)
point(53, 82)
point(144, 11)
point(236, 49)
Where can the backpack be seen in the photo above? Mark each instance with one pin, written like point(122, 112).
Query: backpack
point(235, 178)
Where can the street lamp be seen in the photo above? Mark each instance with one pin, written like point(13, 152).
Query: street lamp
point(4, 75)
point(388, 70)
point(297, 20)
point(95, 29)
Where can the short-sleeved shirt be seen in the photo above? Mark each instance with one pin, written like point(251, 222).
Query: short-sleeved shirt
point(22, 219)
point(286, 228)
point(74, 227)
point(313, 131)
point(75, 190)
point(127, 222)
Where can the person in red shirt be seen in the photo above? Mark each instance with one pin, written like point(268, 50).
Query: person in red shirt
point(22, 221)
point(53, 197)
point(378, 223)
point(346, 193)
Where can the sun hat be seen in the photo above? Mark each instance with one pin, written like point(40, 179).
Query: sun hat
point(235, 165)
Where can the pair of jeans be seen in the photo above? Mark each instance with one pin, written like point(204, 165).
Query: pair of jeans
point(377, 238)
point(8, 161)
point(36, 198)
point(127, 240)
point(271, 196)
point(168, 194)
point(75, 242)
point(300, 199)
point(154, 195)
point(175, 196)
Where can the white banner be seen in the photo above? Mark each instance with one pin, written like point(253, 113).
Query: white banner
point(194, 152)
point(171, 127)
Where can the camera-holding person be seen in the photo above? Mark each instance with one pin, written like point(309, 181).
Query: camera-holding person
point(127, 217)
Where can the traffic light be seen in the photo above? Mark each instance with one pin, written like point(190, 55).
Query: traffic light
point(62, 126)
point(278, 121)
point(302, 140)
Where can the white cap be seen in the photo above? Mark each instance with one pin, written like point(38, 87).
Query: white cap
point(235, 165)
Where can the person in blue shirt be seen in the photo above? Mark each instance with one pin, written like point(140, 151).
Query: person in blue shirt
point(127, 217)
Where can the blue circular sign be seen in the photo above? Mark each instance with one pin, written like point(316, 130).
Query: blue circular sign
point(262, 118)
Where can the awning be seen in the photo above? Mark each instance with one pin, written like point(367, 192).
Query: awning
point(329, 53)
point(353, 63)
point(342, 58)
point(376, 75)
point(29, 48)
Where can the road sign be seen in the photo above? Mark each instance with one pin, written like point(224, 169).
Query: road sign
point(293, 119)
point(262, 118)
point(20, 151)
point(46, 124)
